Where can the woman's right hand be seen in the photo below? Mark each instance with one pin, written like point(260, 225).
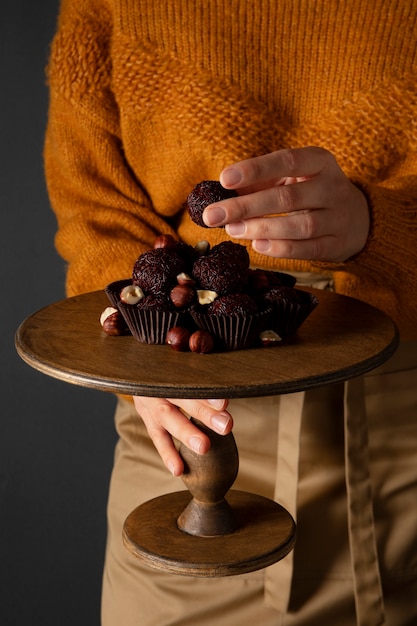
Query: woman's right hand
point(166, 419)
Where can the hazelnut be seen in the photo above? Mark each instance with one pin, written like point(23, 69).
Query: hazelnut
point(131, 294)
point(182, 296)
point(185, 279)
point(112, 321)
point(269, 338)
point(202, 247)
point(205, 296)
point(107, 311)
point(165, 241)
point(201, 342)
point(178, 338)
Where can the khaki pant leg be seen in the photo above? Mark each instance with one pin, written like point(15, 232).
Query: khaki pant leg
point(391, 397)
point(322, 591)
point(322, 586)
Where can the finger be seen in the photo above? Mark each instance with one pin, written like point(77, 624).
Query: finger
point(167, 450)
point(212, 413)
point(150, 410)
point(324, 248)
point(300, 225)
point(292, 163)
point(164, 420)
point(310, 193)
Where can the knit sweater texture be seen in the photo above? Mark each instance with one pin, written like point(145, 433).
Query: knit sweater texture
point(149, 98)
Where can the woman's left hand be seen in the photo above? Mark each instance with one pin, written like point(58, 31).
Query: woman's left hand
point(294, 204)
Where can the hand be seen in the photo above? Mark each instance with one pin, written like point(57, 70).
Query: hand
point(294, 204)
point(164, 419)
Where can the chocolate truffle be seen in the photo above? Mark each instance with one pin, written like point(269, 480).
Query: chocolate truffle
point(233, 304)
point(203, 194)
point(224, 269)
point(156, 270)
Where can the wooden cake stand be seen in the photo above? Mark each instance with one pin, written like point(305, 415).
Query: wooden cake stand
point(208, 530)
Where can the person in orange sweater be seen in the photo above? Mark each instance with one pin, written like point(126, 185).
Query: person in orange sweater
point(307, 110)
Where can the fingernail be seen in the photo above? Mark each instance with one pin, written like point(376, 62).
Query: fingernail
point(217, 404)
point(262, 245)
point(238, 228)
point(219, 422)
point(214, 216)
point(195, 443)
point(230, 176)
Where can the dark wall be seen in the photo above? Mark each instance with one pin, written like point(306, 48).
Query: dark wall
point(56, 439)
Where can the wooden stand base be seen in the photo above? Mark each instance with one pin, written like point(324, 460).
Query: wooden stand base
point(265, 534)
point(209, 530)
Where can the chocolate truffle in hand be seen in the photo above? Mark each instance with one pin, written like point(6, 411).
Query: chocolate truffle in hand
point(203, 194)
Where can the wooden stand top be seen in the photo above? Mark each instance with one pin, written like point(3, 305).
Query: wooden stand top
point(343, 338)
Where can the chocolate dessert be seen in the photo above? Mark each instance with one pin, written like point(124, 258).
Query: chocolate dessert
point(224, 269)
point(156, 270)
point(205, 193)
point(175, 285)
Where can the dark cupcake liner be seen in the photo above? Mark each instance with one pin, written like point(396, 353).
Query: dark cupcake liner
point(150, 326)
point(289, 314)
point(233, 332)
point(113, 290)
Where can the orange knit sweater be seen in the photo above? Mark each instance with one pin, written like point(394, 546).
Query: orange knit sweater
point(148, 98)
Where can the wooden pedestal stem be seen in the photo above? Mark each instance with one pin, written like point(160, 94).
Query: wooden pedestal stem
point(209, 477)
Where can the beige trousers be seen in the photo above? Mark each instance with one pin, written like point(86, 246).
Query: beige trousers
point(355, 560)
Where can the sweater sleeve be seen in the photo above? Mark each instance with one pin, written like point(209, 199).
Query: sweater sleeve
point(385, 272)
point(375, 143)
point(105, 218)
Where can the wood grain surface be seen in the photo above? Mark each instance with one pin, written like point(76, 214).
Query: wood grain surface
point(265, 535)
point(341, 339)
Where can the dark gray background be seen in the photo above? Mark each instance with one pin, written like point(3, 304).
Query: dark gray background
point(56, 439)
